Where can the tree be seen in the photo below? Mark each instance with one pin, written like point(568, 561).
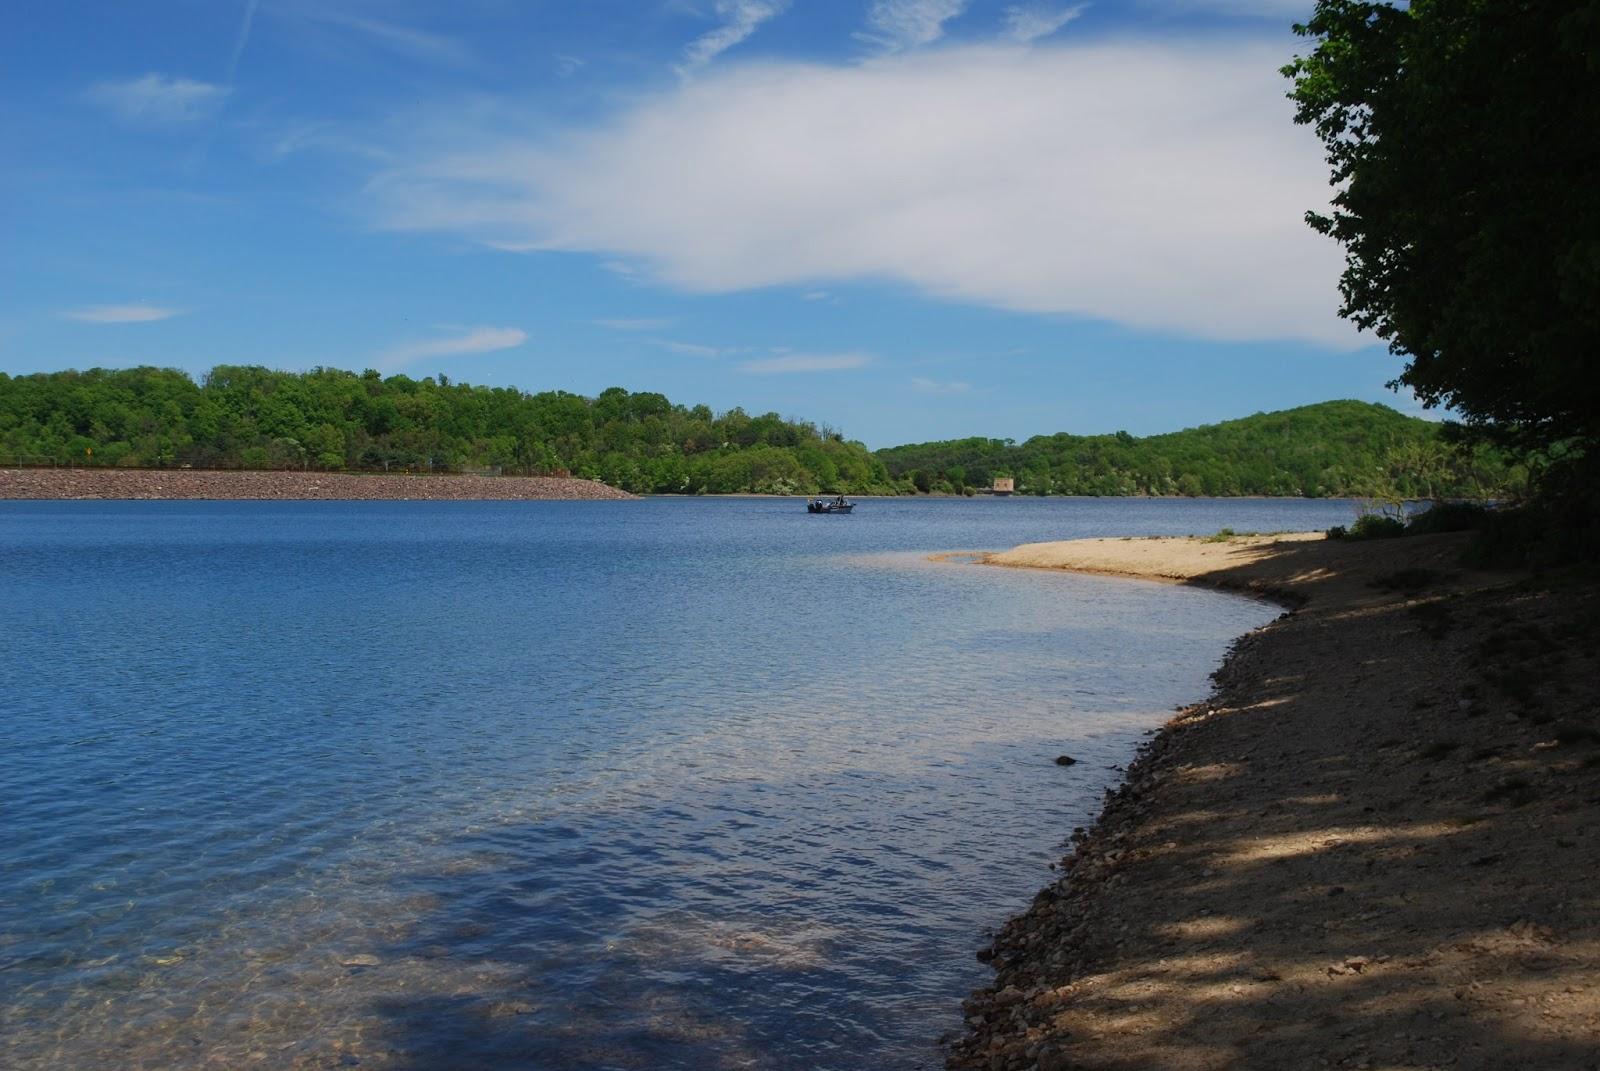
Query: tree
point(1464, 142)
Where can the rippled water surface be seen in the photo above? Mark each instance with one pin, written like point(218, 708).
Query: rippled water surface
point(658, 784)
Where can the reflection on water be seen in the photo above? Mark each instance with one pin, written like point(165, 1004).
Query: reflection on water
point(608, 785)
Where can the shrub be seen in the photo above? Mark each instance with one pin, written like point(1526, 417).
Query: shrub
point(1370, 526)
point(1222, 536)
point(1448, 517)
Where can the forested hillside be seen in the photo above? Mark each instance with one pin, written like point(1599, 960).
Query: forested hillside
point(1336, 449)
point(249, 417)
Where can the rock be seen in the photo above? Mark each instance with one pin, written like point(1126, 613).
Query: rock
point(1053, 1059)
point(1066, 760)
point(363, 960)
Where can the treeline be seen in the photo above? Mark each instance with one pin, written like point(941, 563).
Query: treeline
point(326, 419)
point(251, 417)
point(1334, 449)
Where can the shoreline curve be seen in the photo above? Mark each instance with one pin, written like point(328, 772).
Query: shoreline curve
point(1368, 847)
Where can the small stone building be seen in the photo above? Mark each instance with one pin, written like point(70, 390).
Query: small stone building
point(1004, 485)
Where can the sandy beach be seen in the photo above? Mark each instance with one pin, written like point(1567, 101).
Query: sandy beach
point(61, 483)
point(1373, 846)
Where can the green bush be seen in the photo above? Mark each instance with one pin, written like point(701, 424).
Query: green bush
point(1370, 526)
point(1448, 517)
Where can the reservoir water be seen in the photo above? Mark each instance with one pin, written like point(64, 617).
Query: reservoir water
point(655, 784)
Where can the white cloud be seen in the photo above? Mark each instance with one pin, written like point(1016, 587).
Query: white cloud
point(159, 100)
point(469, 341)
point(898, 24)
point(816, 295)
point(931, 386)
point(740, 19)
point(805, 362)
point(1030, 23)
point(1154, 185)
point(123, 314)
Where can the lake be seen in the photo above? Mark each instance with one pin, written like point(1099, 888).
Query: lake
point(704, 783)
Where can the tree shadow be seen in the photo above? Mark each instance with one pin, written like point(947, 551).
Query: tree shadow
point(1371, 848)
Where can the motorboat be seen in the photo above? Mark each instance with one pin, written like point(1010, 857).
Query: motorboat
point(829, 505)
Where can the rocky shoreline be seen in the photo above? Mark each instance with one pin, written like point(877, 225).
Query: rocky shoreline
point(87, 483)
point(1374, 845)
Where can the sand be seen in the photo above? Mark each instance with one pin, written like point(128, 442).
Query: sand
point(1372, 847)
point(64, 483)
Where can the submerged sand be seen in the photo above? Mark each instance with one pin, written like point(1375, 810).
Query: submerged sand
point(63, 483)
point(1374, 846)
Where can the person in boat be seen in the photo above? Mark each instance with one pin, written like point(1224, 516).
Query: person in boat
point(839, 501)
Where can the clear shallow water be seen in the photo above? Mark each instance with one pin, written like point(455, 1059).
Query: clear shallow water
point(658, 784)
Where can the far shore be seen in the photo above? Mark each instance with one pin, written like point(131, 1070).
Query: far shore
point(93, 482)
point(1373, 846)
point(159, 484)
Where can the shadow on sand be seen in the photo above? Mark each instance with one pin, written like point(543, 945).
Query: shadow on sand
point(1372, 848)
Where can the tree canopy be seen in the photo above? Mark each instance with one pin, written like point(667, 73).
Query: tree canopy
point(1336, 449)
point(1464, 142)
point(254, 417)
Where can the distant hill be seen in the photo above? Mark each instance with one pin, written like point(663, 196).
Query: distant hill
point(1332, 449)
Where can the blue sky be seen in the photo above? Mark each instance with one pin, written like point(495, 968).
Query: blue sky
point(908, 219)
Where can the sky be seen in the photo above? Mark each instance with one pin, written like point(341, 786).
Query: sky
point(905, 219)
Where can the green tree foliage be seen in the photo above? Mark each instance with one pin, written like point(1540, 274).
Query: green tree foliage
point(328, 419)
point(1336, 449)
point(1464, 142)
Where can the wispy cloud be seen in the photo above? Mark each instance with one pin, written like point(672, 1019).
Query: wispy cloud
point(122, 314)
point(1034, 21)
point(740, 19)
point(933, 386)
point(805, 362)
point(464, 343)
point(289, 139)
point(159, 100)
point(689, 349)
point(567, 66)
point(406, 41)
point(242, 38)
point(1285, 10)
point(901, 24)
point(1150, 184)
point(636, 324)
